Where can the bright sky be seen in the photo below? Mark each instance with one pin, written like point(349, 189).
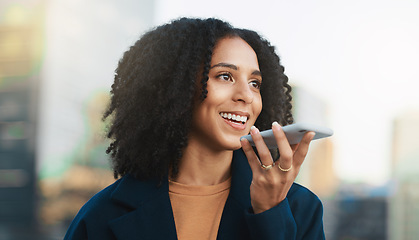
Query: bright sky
point(358, 56)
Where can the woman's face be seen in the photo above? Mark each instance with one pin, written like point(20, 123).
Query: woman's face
point(233, 101)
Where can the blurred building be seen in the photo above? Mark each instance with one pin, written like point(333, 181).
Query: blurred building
point(404, 201)
point(351, 211)
point(21, 54)
point(85, 40)
point(56, 69)
point(317, 172)
point(360, 212)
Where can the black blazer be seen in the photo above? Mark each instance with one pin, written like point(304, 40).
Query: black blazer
point(133, 209)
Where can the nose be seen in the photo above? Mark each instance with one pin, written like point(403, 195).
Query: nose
point(242, 92)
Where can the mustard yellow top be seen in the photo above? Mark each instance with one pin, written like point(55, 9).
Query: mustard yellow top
point(197, 209)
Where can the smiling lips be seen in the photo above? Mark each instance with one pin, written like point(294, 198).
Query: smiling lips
point(234, 118)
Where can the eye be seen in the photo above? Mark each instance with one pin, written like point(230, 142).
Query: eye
point(225, 76)
point(256, 83)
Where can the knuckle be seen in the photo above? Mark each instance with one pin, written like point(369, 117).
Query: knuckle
point(306, 141)
point(265, 155)
point(287, 156)
point(257, 137)
point(280, 137)
point(247, 150)
point(272, 183)
point(260, 180)
point(302, 154)
point(277, 181)
point(283, 181)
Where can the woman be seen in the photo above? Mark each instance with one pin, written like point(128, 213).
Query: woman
point(183, 96)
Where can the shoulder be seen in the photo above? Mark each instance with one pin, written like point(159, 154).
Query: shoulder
point(118, 199)
point(307, 210)
point(301, 198)
point(92, 215)
point(301, 194)
point(99, 200)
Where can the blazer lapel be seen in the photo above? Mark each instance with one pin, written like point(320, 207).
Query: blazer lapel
point(151, 217)
point(233, 224)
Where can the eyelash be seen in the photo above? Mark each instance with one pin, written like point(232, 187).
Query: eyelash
point(222, 75)
point(225, 74)
point(258, 83)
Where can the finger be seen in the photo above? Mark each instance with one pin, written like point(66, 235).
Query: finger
point(252, 158)
point(284, 148)
point(294, 147)
point(302, 150)
point(265, 156)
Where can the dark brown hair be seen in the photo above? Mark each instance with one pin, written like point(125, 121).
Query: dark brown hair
point(152, 96)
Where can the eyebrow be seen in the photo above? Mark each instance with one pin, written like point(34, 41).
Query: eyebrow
point(228, 65)
point(234, 67)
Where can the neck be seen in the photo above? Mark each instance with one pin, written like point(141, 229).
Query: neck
point(202, 166)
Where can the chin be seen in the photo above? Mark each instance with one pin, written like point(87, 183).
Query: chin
point(234, 146)
point(231, 143)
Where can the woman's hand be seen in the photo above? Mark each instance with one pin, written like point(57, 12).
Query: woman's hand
point(272, 179)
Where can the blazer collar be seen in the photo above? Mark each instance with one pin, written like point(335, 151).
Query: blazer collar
point(241, 178)
point(152, 210)
point(232, 224)
point(133, 193)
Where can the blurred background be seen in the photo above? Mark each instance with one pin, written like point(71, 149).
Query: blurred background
point(353, 66)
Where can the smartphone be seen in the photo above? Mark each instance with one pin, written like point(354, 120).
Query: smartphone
point(294, 133)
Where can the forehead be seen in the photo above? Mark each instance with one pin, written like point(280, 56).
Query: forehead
point(236, 51)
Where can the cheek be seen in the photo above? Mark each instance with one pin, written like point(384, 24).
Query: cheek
point(256, 109)
point(258, 105)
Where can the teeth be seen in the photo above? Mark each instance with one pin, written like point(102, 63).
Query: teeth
point(234, 117)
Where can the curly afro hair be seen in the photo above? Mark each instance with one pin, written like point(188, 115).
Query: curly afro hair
point(155, 86)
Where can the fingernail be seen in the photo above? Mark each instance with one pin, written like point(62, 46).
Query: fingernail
point(312, 135)
point(253, 130)
point(276, 125)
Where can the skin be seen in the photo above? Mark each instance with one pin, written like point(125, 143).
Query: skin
point(270, 187)
point(233, 87)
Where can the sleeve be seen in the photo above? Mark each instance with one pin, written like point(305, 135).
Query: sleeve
point(309, 218)
point(297, 217)
point(276, 223)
